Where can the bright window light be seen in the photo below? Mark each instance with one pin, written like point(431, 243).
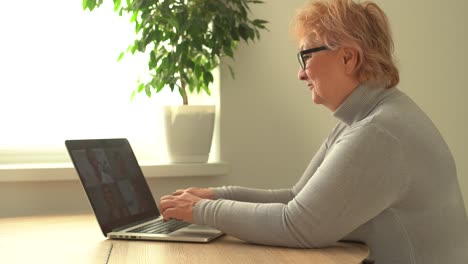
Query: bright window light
point(60, 79)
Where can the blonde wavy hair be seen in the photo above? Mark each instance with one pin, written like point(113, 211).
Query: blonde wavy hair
point(344, 23)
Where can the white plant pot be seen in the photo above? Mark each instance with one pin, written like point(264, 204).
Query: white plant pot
point(189, 132)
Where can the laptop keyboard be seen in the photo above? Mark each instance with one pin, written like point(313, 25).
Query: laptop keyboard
point(160, 227)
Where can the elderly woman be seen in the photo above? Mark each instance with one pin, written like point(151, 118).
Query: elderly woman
point(383, 176)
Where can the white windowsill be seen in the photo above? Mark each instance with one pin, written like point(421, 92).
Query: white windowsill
point(66, 172)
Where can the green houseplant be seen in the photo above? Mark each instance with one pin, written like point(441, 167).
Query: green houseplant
point(185, 40)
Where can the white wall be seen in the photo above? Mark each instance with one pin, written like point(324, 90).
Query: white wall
point(270, 129)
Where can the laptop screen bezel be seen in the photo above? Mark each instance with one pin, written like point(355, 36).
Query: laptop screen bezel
point(121, 143)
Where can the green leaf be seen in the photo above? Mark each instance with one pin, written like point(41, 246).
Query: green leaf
point(152, 62)
point(158, 36)
point(133, 48)
point(132, 96)
point(117, 5)
point(234, 34)
point(147, 90)
point(141, 86)
point(91, 4)
point(160, 86)
point(197, 72)
point(189, 63)
point(251, 33)
point(207, 78)
point(260, 23)
point(207, 90)
point(231, 70)
point(228, 51)
point(84, 3)
point(134, 16)
point(243, 28)
point(121, 56)
point(141, 46)
point(138, 27)
point(172, 85)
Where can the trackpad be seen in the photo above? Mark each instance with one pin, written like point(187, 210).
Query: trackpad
point(196, 229)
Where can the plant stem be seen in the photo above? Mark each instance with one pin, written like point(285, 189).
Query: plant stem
point(184, 92)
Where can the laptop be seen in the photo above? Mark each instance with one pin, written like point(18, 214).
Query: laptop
point(120, 197)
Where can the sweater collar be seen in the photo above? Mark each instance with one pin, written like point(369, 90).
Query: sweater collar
point(361, 102)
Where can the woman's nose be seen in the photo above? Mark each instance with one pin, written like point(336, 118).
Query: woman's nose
point(301, 74)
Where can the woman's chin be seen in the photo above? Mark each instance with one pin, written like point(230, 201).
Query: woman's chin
point(316, 99)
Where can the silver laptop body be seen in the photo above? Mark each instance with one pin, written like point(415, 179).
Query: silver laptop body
point(120, 197)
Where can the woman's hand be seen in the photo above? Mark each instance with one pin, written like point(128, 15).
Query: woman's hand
point(179, 206)
point(203, 193)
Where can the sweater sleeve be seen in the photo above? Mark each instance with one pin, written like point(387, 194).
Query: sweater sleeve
point(237, 193)
point(360, 177)
point(242, 194)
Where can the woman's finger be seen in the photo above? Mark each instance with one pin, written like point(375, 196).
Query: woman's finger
point(171, 213)
point(178, 192)
point(166, 204)
point(167, 197)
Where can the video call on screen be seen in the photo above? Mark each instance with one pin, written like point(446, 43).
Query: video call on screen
point(113, 184)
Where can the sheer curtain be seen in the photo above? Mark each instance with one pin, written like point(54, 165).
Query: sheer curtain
point(60, 79)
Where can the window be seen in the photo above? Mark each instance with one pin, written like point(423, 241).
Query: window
point(60, 79)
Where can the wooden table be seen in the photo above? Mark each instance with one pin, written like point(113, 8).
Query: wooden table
point(78, 239)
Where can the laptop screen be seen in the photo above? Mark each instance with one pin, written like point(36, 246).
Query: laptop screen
point(113, 181)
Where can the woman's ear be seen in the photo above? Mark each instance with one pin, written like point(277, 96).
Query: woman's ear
point(350, 59)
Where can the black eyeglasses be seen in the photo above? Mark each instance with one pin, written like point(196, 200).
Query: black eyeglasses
point(303, 56)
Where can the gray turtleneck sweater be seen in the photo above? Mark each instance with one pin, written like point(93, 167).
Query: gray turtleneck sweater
point(383, 176)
